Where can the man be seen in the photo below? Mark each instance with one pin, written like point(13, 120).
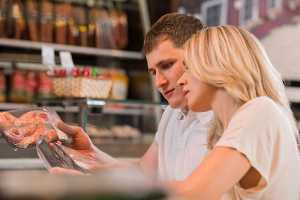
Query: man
point(180, 142)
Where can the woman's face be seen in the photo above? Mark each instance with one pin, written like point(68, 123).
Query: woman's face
point(199, 95)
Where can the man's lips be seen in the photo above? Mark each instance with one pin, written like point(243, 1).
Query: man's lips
point(168, 92)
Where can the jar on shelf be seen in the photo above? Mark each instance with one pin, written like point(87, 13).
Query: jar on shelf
point(120, 84)
point(2, 87)
point(18, 82)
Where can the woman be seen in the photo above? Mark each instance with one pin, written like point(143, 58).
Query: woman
point(253, 144)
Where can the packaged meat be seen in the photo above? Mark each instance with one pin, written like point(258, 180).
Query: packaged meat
point(22, 128)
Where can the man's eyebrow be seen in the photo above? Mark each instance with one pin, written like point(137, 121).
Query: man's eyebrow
point(162, 62)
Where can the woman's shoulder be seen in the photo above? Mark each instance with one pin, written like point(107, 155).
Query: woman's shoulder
point(262, 105)
point(261, 109)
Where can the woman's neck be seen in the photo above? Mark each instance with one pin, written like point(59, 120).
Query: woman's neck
point(224, 106)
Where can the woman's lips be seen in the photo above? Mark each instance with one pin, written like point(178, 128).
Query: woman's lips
point(186, 92)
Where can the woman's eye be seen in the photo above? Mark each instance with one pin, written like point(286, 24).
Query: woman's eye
point(185, 66)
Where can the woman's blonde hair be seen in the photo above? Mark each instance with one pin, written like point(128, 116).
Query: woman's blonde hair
point(231, 58)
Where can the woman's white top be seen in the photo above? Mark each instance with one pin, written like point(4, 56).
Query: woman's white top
point(261, 130)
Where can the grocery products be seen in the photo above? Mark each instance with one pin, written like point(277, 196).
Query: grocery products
point(32, 20)
point(46, 21)
point(120, 84)
point(80, 83)
point(18, 83)
point(64, 23)
point(117, 131)
point(2, 87)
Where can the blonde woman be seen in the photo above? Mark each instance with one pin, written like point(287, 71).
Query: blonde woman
point(253, 144)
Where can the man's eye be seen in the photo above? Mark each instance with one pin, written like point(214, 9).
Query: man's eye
point(167, 65)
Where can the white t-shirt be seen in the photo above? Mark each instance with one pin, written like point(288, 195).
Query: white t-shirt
point(260, 130)
point(182, 143)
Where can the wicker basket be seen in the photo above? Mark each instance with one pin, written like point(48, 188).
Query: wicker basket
point(81, 87)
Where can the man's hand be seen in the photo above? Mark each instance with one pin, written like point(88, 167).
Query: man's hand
point(82, 149)
point(59, 170)
point(80, 140)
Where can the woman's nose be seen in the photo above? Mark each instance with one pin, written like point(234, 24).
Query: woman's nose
point(182, 80)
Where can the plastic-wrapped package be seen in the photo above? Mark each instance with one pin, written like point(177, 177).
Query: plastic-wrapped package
point(82, 161)
point(53, 155)
point(22, 128)
point(25, 128)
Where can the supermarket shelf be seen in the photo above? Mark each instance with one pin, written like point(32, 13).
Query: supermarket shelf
point(98, 102)
point(5, 65)
point(73, 49)
point(107, 106)
point(32, 66)
point(11, 106)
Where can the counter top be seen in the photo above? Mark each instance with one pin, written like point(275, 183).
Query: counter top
point(21, 164)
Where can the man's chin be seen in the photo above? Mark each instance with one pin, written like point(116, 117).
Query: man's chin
point(177, 104)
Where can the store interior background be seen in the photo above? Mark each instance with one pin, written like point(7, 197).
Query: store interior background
point(123, 124)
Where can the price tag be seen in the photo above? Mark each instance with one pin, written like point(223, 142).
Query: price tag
point(66, 60)
point(48, 57)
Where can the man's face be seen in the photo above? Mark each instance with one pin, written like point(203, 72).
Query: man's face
point(165, 63)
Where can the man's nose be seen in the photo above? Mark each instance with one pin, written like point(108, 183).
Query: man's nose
point(182, 80)
point(160, 80)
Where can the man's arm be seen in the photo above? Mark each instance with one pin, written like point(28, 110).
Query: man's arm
point(82, 143)
point(149, 161)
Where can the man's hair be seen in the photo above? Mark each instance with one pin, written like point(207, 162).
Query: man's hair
point(173, 26)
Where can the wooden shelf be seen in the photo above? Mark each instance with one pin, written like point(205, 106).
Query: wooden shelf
point(24, 44)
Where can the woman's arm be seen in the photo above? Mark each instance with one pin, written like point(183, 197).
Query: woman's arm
point(218, 172)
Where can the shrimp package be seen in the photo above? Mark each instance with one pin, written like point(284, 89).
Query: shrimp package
point(22, 128)
point(25, 128)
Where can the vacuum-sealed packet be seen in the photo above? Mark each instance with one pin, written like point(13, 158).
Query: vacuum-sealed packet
point(53, 155)
point(23, 127)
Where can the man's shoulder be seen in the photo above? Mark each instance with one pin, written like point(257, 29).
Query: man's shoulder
point(168, 110)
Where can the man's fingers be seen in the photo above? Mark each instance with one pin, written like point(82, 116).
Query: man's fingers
point(68, 129)
point(51, 136)
point(59, 171)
